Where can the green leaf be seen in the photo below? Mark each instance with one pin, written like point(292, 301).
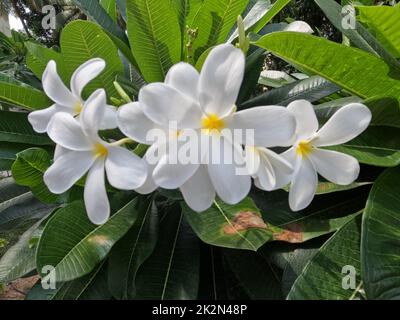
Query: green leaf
point(240, 226)
point(74, 246)
point(255, 14)
point(8, 154)
point(19, 259)
point(110, 6)
point(172, 271)
point(269, 15)
point(311, 89)
point(18, 205)
point(358, 36)
point(84, 40)
point(90, 287)
point(155, 47)
point(333, 11)
point(28, 171)
point(254, 65)
point(15, 127)
point(359, 72)
point(97, 13)
point(255, 274)
point(21, 94)
point(214, 20)
point(323, 276)
point(132, 251)
point(38, 56)
point(326, 213)
point(381, 238)
point(384, 23)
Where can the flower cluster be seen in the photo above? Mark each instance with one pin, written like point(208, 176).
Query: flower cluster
point(232, 147)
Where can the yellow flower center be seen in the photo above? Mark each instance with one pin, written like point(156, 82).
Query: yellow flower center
point(304, 148)
point(78, 107)
point(100, 150)
point(212, 123)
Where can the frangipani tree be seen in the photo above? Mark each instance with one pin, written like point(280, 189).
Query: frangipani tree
point(185, 62)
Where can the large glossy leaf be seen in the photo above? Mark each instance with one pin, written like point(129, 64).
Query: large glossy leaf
point(84, 40)
point(256, 275)
point(269, 15)
point(256, 12)
point(110, 6)
point(132, 251)
point(172, 271)
point(14, 127)
point(97, 13)
point(334, 12)
point(28, 171)
point(90, 287)
point(19, 259)
point(214, 20)
point(18, 205)
point(358, 35)
point(384, 23)
point(22, 95)
point(322, 277)
point(8, 154)
point(326, 212)
point(359, 72)
point(254, 65)
point(380, 253)
point(240, 226)
point(38, 56)
point(155, 37)
point(311, 89)
point(74, 246)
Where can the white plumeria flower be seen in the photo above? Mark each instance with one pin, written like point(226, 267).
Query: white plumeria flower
point(205, 103)
point(269, 170)
point(66, 100)
point(308, 159)
point(84, 151)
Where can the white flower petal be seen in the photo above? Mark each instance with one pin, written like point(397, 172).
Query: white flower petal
point(149, 185)
point(60, 151)
point(336, 167)
point(109, 118)
point(198, 191)
point(225, 170)
point(164, 104)
point(306, 120)
point(253, 160)
point(40, 119)
point(66, 131)
point(86, 73)
point(299, 26)
point(170, 175)
point(346, 124)
point(184, 78)
point(283, 170)
point(92, 114)
point(95, 194)
point(221, 79)
point(125, 170)
point(266, 175)
point(55, 88)
point(273, 126)
point(135, 124)
point(67, 170)
point(304, 185)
